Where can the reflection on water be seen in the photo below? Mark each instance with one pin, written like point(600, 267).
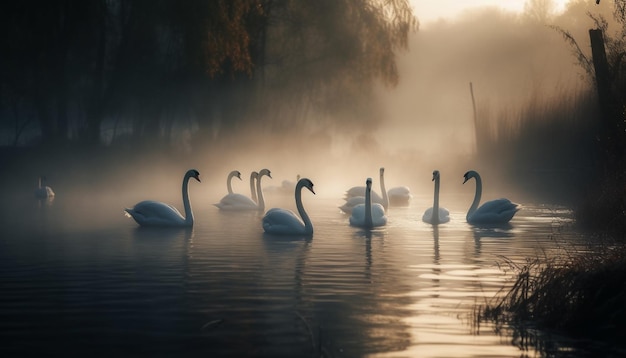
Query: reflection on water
point(102, 284)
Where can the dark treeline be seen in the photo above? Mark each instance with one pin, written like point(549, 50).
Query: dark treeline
point(105, 71)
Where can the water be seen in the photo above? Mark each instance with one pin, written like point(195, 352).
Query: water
point(77, 277)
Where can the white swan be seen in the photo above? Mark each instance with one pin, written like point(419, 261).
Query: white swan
point(155, 213)
point(499, 211)
point(399, 196)
point(286, 187)
point(356, 195)
point(368, 214)
point(43, 191)
point(444, 214)
point(234, 201)
point(285, 222)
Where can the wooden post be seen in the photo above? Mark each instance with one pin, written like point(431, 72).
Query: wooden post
point(476, 137)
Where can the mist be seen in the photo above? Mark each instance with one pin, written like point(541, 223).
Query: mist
point(323, 121)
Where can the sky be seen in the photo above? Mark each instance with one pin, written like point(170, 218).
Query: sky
point(432, 10)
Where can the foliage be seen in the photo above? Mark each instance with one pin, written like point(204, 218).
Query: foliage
point(147, 69)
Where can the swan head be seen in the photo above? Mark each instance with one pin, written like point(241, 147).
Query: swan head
point(469, 175)
point(192, 173)
point(368, 183)
point(307, 184)
point(265, 172)
point(254, 175)
point(436, 175)
point(382, 171)
point(237, 173)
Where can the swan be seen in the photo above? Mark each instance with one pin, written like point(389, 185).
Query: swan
point(155, 213)
point(356, 195)
point(286, 186)
point(238, 202)
point(368, 214)
point(43, 191)
point(285, 222)
point(399, 196)
point(499, 211)
point(444, 214)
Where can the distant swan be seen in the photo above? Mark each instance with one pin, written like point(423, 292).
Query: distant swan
point(155, 213)
point(234, 201)
point(444, 214)
point(356, 195)
point(368, 214)
point(43, 191)
point(499, 211)
point(285, 222)
point(399, 196)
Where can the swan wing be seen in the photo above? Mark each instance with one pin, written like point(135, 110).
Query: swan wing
point(359, 191)
point(444, 215)
point(399, 191)
point(350, 203)
point(357, 215)
point(428, 215)
point(354, 192)
point(378, 215)
point(498, 211)
point(283, 222)
point(236, 201)
point(155, 213)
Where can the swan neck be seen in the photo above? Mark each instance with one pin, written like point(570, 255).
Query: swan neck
point(186, 203)
point(477, 196)
point(253, 190)
point(384, 191)
point(229, 184)
point(368, 207)
point(435, 219)
point(259, 191)
point(308, 226)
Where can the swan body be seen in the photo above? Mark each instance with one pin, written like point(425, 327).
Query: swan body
point(498, 211)
point(399, 196)
point(286, 222)
point(234, 201)
point(156, 213)
point(356, 195)
point(286, 187)
point(443, 215)
point(43, 191)
point(368, 214)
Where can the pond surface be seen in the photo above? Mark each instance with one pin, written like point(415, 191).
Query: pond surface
point(77, 277)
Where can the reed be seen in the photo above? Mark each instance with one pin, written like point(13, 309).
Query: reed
point(552, 148)
point(580, 294)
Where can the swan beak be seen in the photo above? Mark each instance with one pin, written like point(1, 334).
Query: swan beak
point(466, 178)
point(197, 178)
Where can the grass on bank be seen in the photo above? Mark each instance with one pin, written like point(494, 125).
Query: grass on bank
point(582, 296)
